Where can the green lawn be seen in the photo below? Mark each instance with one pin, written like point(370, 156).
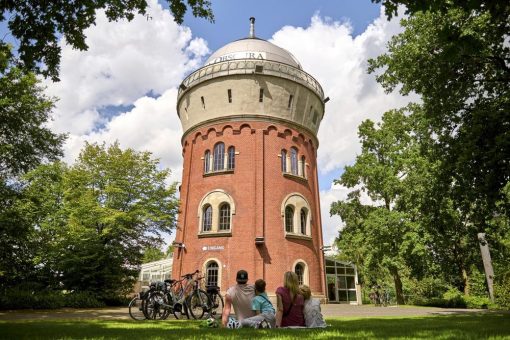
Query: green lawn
point(460, 326)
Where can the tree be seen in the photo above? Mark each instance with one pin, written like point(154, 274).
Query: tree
point(456, 58)
point(38, 25)
point(152, 254)
point(390, 169)
point(97, 217)
point(25, 143)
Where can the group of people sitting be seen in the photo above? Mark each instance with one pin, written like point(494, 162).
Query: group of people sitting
point(294, 305)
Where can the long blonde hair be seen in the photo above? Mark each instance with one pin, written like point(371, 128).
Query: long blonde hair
point(290, 281)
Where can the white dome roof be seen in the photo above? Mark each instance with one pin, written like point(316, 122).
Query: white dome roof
point(253, 48)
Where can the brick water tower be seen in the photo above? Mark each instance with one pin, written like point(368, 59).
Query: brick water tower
point(249, 192)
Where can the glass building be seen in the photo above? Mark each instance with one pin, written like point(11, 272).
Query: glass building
point(342, 282)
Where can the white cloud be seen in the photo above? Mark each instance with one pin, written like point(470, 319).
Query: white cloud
point(125, 61)
point(328, 51)
point(151, 125)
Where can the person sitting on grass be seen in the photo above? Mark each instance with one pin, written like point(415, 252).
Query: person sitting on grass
point(264, 309)
point(289, 302)
point(238, 296)
point(312, 309)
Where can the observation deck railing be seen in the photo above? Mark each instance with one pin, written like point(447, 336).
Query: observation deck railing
point(247, 66)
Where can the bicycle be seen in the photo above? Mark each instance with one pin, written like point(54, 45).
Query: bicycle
point(136, 306)
point(179, 297)
point(154, 299)
point(199, 301)
point(216, 298)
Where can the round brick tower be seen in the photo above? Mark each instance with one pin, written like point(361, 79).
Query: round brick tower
point(249, 192)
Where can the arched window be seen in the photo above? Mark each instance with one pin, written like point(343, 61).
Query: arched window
point(300, 272)
point(303, 220)
point(219, 157)
point(211, 274)
point(303, 162)
point(293, 161)
point(207, 163)
point(284, 161)
point(289, 219)
point(231, 162)
point(207, 218)
point(224, 222)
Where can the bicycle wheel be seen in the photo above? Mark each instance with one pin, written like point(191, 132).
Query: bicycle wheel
point(199, 304)
point(136, 309)
point(217, 304)
point(154, 307)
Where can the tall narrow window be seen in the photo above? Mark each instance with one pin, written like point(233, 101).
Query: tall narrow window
point(203, 102)
point(284, 161)
point(303, 221)
point(303, 166)
point(300, 271)
point(231, 162)
point(224, 222)
point(207, 218)
point(229, 93)
point(293, 161)
point(289, 219)
point(207, 161)
point(211, 274)
point(261, 95)
point(291, 97)
point(219, 157)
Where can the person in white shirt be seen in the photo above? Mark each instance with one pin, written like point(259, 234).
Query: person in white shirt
point(239, 297)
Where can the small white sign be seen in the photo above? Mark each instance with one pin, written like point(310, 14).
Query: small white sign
point(213, 248)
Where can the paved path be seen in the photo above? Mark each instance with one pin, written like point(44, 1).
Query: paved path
point(329, 310)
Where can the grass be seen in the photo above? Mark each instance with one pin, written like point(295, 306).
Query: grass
point(458, 326)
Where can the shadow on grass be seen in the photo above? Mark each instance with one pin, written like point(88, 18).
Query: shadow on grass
point(472, 326)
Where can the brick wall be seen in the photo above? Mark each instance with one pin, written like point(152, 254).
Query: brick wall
point(258, 189)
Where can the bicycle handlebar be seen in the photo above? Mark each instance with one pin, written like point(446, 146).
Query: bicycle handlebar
point(190, 274)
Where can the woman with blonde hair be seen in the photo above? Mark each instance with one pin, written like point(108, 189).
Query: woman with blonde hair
point(289, 302)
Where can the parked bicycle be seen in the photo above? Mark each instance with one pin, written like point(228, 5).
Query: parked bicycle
point(137, 306)
point(181, 297)
point(217, 300)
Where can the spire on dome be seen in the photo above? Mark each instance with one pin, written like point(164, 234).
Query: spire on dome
point(252, 27)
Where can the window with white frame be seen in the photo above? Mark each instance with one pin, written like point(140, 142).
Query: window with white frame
point(207, 218)
point(289, 218)
point(215, 214)
point(224, 223)
point(219, 157)
point(220, 160)
point(284, 160)
point(303, 221)
point(294, 161)
point(300, 272)
point(231, 163)
point(212, 273)
point(296, 216)
point(207, 161)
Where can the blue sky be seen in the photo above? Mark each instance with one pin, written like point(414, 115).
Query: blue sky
point(124, 87)
point(231, 17)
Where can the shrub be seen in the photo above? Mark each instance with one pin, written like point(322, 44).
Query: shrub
point(47, 299)
point(502, 294)
point(477, 302)
point(82, 300)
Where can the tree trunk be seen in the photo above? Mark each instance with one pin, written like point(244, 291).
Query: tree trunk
point(398, 287)
point(465, 281)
